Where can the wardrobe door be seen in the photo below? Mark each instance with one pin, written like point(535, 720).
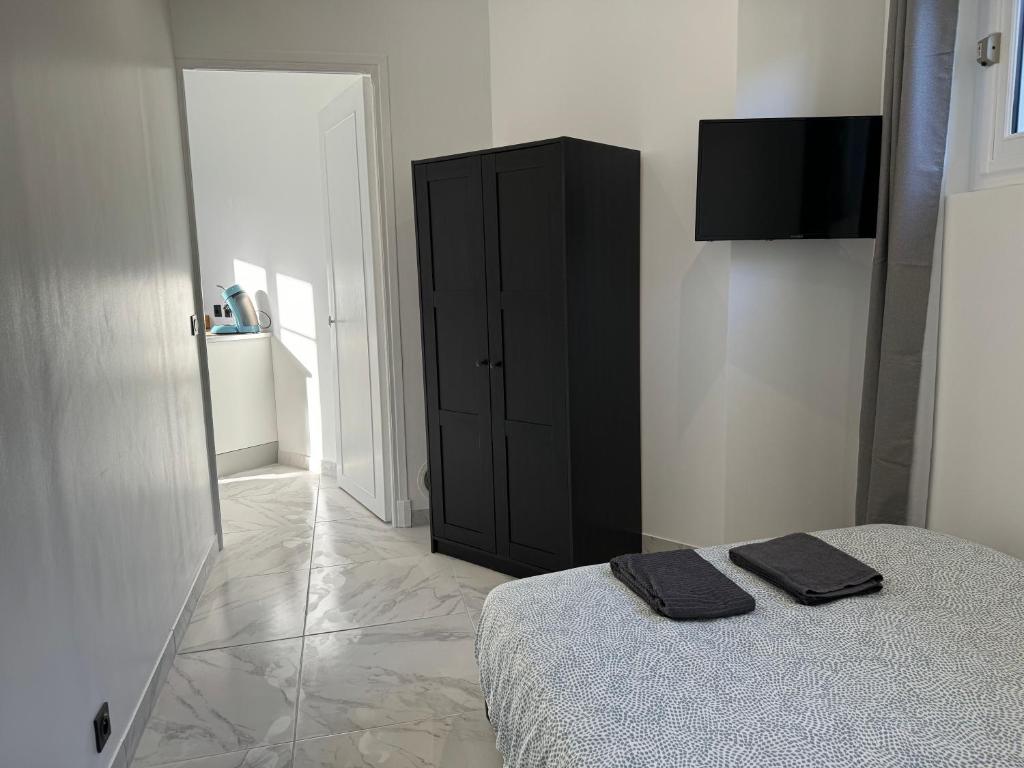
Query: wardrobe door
point(449, 220)
point(524, 225)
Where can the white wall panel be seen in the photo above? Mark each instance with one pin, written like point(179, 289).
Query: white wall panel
point(105, 497)
point(979, 418)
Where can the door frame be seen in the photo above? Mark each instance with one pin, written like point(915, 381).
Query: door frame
point(389, 338)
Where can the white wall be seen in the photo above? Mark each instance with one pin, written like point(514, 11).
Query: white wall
point(106, 511)
point(797, 329)
point(798, 310)
point(751, 354)
point(810, 57)
point(255, 149)
point(437, 59)
point(612, 72)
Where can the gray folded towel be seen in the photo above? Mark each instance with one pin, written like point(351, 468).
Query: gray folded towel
point(808, 568)
point(681, 584)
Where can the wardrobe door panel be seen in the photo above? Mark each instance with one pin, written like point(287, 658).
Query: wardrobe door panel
point(530, 368)
point(461, 344)
point(524, 225)
point(537, 518)
point(465, 471)
point(458, 264)
point(524, 231)
point(449, 220)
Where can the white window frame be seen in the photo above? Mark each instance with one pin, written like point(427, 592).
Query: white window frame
point(999, 153)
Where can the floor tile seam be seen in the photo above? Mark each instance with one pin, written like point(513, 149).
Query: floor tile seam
point(465, 602)
point(220, 754)
point(375, 561)
point(269, 529)
point(460, 713)
point(275, 572)
point(384, 527)
point(385, 624)
point(305, 619)
point(238, 645)
point(240, 576)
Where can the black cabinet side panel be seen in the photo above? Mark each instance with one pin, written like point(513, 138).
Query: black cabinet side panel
point(603, 260)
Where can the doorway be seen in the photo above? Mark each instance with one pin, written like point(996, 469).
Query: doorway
point(285, 175)
point(304, 572)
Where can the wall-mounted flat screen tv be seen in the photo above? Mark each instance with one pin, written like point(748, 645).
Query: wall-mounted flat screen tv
point(784, 178)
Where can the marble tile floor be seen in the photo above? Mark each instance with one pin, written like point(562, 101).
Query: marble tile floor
point(324, 638)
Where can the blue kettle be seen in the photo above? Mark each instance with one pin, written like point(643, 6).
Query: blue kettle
point(246, 318)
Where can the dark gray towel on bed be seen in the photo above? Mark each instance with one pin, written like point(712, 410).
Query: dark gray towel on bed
point(809, 569)
point(681, 585)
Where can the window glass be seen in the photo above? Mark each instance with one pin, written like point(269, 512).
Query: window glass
point(1017, 114)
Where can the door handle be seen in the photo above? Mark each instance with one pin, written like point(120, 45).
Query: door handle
point(496, 364)
point(331, 320)
point(481, 363)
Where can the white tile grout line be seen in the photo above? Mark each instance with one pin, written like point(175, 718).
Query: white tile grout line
point(460, 713)
point(465, 603)
point(326, 632)
point(305, 618)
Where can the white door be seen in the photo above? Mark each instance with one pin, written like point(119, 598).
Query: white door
point(346, 134)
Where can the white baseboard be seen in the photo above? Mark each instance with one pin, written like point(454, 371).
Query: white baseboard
point(403, 513)
point(328, 468)
point(421, 515)
point(137, 724)
point(243, 459)
point(292, 459)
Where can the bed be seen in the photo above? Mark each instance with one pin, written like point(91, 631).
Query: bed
point(576, 671)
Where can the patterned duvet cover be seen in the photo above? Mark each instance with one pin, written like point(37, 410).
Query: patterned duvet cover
point(578, 673)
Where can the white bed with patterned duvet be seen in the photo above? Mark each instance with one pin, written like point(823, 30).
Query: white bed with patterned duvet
point(579, 673)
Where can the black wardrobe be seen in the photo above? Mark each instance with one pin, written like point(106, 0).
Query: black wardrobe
point(529, 291)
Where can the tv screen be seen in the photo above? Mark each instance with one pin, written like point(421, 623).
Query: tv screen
point(781, 178)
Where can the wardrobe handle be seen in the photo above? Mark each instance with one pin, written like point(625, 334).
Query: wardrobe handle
point(496, 364)
point(481, 363)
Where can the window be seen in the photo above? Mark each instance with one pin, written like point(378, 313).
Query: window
point(1018, 69)
point(999, 106)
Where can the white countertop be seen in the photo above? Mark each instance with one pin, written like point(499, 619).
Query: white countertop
point(217, 338)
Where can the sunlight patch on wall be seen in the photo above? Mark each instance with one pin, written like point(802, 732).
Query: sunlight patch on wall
point(297, 323)
point(251, 277)
point(295, 305)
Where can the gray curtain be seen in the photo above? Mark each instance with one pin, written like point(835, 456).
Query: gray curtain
point(918, 75)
